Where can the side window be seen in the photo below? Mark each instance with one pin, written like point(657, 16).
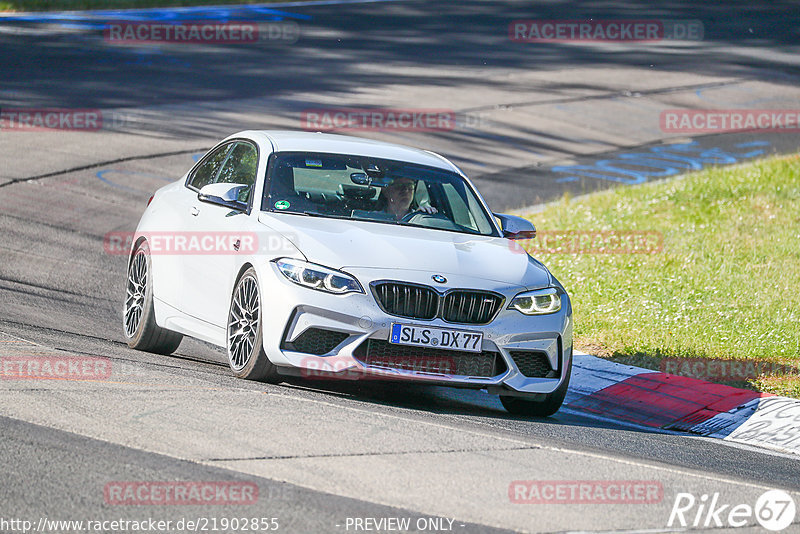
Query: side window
point(458, 206)
point(240, 168)
point(421, 195)
point(207, 171)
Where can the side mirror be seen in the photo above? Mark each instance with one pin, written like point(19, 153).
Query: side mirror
point(226, 195)
point(516, 227)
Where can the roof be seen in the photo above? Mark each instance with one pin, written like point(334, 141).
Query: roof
point(293, 141)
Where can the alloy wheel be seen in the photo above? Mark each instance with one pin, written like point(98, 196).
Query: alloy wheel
point(243, 323)
point(136, 292)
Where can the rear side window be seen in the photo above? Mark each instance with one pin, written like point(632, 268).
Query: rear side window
point(206, 173)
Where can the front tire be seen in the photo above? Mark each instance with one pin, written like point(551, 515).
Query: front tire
point(246, 355)
point(545, 408)
point(139, 317)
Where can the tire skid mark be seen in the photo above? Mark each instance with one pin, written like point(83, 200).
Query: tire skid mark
point(378, 453)
point(610, 94)
point(144, 157)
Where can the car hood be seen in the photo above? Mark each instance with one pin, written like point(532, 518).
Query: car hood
point(359, 244)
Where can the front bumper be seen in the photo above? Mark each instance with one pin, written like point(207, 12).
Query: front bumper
point(291, 310)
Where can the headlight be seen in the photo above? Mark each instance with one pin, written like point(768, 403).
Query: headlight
point(318, 277)
point(539, 302)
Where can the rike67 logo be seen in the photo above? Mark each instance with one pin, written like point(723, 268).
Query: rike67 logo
point(774, 510)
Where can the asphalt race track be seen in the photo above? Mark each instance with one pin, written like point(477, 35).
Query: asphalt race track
point(535, 120)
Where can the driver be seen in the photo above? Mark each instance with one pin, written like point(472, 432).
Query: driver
point(396, 198)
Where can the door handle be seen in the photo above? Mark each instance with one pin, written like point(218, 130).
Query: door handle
point(194, 211)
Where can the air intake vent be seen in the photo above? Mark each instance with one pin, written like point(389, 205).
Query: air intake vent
point(533, 364)
point(316, 341)
point(381, 353)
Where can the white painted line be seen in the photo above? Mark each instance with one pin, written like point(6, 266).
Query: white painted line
point(744, 447)
point(619, 422)
point(526, 442)
point(645, 531)
point(19, 338)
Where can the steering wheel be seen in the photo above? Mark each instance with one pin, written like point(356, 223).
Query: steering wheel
point(408, 217)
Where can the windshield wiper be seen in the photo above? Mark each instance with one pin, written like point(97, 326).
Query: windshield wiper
point(311, 214)
point(326, 215)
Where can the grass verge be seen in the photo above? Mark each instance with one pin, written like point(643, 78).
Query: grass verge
point(725, 285)
point(78, 5)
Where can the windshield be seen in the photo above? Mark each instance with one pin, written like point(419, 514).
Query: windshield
point(372, 189)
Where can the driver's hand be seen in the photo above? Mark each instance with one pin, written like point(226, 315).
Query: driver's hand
point(430, 210)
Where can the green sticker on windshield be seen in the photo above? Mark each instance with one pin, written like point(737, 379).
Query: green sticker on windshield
point(282, 205)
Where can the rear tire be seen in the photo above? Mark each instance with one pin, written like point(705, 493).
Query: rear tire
point(138, 315)
point(545, 408)
point(244, 334)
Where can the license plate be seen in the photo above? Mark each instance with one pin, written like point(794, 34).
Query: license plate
point(437, 338)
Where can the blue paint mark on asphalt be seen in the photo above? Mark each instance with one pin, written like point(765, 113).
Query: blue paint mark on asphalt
point(162, 14)
point(753, 143)
point(98, 18)
point(657, 162)
point(699, 92)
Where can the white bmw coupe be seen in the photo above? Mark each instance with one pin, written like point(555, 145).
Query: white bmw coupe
point(328, 256)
